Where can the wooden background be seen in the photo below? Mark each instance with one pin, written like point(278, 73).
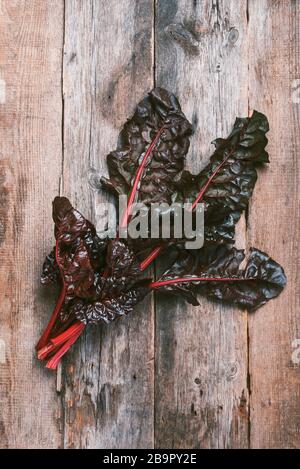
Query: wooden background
point(171, 375)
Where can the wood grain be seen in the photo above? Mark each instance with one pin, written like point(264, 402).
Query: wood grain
point(274, 33)
point(201, 395)
point(30, 163)
point(170, 375)
point(108, 67)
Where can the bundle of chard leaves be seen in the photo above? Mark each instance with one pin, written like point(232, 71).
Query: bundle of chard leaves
point(103, 279)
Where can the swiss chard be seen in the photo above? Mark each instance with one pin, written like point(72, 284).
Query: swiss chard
point(151, 150)
point(215, 272)
point(76, 258)
point(86, 295)
point(101, 280)
point(226, 184)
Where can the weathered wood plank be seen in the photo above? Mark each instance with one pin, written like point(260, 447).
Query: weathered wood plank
point(30, 165)
point(201, 396)
point(108, 67)
point(274, 39)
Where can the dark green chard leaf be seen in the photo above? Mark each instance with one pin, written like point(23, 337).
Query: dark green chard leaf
point(215, 272)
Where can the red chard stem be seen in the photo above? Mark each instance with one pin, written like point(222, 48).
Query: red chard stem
point(77, 327)
point(46, 334)
point(164, 283)
point(54, 361)
point(210, 179)
point(137, 179)
point(154, 254)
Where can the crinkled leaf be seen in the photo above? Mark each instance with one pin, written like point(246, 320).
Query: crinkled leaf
point(157, 117)
point(261, 280)
point(122, 273)
point(79, 275)
point(50, 271)
point(110, 308)
point(72, 230)
point(227, 182)
point(80, 252)
point(69, 223)
point(121, 260)
point(92, 292)
point(101, 279)
point(115, 294)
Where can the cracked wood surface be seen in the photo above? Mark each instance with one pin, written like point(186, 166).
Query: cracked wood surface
point(274, 224)
point(108, 67)
point(201, 352)
point(30, 163)
point(171, 375)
